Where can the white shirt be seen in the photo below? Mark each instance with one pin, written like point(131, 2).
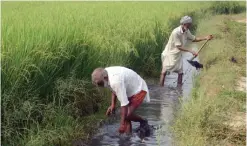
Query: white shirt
point(125, 83)
point(177, 38)
point(171, 56)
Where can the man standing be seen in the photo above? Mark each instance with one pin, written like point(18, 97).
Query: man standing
point(129, 88)
point(171, 57)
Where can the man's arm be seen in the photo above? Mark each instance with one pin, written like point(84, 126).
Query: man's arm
point(113, 100)
point(124, 111)
point(111, 109)
point(198, 39)
point(186, 50)
point(119, 87)
point(178, 42)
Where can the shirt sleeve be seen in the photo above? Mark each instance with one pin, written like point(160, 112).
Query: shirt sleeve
point(176, 39)
point(190, 36)
point(120, 90)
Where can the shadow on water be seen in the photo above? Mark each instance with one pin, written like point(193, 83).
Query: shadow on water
point(159, 113)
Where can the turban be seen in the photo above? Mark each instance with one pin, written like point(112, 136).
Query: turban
point(185, 19)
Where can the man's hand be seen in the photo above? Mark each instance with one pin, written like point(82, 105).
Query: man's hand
point(110, 110)
point(193, 53)
point(209, 37)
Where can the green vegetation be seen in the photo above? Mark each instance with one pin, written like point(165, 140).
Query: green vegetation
point(49, 50)
point(226, 7)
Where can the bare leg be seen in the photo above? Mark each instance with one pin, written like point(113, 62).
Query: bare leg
point(128, 127)
point(162, 79)
point(180, 79)
point(132, 117)
point(134, 104)
point(135, 118)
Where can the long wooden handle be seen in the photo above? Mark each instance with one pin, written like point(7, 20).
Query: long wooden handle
point(199, 50)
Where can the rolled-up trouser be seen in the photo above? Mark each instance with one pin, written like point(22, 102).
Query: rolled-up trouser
point(135, 101)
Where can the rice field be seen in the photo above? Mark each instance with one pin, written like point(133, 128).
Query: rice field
point(38, 37)
point(49, 49)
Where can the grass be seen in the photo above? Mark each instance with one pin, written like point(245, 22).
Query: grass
point(214, 100)
point(49, 50)
point(223, 7)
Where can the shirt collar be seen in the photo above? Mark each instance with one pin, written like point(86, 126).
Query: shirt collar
point(181, 30)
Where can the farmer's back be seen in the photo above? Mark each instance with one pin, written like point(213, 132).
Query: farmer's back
point(127, 77)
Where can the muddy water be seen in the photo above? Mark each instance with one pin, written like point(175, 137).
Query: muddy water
point(159, 113)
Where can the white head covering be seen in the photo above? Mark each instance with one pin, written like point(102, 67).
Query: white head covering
point(186, 19)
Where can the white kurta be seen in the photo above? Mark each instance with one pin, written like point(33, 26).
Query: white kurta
point(125, 83)
point(171, 57)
